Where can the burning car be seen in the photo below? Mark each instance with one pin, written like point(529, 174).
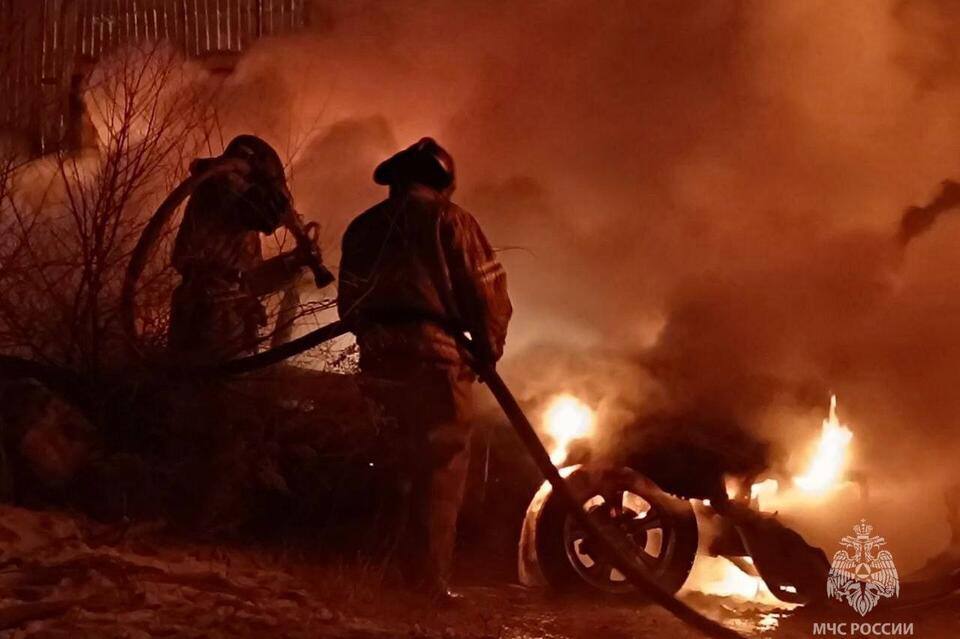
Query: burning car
point(673, 499)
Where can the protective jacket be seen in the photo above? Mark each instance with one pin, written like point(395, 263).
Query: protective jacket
point(415, 258)
point(215, 311)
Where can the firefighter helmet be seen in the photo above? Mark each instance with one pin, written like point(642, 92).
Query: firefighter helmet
point(424, 162)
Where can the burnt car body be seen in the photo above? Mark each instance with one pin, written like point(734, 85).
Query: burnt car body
point(666, 532)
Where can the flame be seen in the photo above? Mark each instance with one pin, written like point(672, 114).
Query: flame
point(565, 419)
point(830, 458)
point(719, 577)
point(763, 492)
point(730, 581)
point(824, 472)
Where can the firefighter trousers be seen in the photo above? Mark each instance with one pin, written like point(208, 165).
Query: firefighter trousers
point(430, 407)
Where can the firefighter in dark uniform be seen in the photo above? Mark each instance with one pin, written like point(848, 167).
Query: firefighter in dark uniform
point(414, 268)
point(216, 312)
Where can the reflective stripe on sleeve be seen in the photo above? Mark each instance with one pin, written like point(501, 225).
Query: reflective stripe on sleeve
point(490, 271)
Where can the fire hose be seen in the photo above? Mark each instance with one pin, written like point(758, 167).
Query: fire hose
point(610, 541)
point(302, 234)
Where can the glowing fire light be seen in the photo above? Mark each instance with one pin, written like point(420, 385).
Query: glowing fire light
point(764, 491)
point(566, 418)
point(824, 472)
point(830, 458)
point(721, 578)
point(732, 582)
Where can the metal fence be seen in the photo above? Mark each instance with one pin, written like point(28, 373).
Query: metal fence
point(47, 47)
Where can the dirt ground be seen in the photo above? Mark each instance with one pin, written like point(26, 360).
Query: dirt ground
point(63, 577)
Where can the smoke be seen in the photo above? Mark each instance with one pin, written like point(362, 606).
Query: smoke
point(710, 189)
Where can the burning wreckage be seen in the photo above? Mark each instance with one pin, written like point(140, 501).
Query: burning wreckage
point(604, 523)
point(671, 510)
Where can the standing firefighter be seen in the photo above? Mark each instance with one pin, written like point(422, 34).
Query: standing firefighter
point(216, 311)
point(415, 267)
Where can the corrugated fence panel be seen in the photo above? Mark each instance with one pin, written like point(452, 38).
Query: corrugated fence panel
point(45, 44)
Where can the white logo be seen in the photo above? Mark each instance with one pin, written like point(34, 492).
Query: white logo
point(864, 576)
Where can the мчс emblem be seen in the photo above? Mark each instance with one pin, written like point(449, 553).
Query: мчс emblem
point(862, 573)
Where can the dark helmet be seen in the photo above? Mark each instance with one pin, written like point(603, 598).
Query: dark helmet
point(261, 199)
point(261, 156)
point(425, 162)
point(263, 160)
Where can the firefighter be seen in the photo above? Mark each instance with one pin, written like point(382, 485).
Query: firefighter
point(415, 268)
point(216, 312)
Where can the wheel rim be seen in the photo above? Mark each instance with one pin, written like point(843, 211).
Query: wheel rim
point(644, 524)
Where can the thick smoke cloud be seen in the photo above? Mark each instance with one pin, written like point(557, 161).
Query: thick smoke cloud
point(710, 190)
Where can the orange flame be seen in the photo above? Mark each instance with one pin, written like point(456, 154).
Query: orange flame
point(721, 578)
point(830, 458)
point(565, 419)
point(823, 473)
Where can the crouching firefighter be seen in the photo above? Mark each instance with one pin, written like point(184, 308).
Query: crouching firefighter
point(413, 269)
point(216, 311)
